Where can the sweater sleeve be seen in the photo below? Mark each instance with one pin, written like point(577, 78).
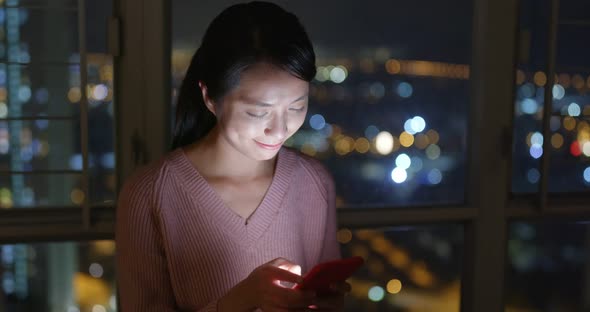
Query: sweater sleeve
point(331, 247)
point(143, 278)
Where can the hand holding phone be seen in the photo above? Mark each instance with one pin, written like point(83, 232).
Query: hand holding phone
point(320, 277)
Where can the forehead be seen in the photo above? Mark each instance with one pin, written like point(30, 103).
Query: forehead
point(267, 82)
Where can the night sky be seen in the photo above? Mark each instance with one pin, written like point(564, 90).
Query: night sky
point(424, 30)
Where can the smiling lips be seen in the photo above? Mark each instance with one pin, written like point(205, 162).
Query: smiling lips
point(269, 146)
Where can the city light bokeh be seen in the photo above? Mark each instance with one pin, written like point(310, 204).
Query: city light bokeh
point(41, 98)
point(389, 117)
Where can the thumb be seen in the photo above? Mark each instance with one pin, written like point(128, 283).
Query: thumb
point(288, 272)
point(293, 268)
point(285, 264)
point(278, 261)
point(282, 275)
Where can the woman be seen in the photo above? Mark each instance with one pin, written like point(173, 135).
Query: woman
point(229, 219)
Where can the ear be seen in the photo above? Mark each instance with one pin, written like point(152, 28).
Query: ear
point(208, 102)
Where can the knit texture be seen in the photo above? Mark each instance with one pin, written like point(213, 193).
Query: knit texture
point(180, 248)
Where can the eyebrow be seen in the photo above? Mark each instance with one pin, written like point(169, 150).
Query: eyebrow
point(269, 105)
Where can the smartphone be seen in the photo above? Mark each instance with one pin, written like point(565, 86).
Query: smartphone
point(322, 275)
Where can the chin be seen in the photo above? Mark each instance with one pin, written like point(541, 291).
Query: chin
point(267, 155)
point(261, 154)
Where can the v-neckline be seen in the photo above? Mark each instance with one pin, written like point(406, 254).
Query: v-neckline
point(261, 218)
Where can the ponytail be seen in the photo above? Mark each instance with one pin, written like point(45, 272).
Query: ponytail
point(193, 118)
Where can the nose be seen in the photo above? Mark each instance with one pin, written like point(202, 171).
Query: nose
point(277, 127)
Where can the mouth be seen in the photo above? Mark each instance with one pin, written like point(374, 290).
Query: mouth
point(269, 146)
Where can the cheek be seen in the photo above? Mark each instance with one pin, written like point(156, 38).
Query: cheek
point(237, 125)
point(295, 123)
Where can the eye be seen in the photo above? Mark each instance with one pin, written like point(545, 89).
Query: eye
point(256, 115)
point(300, 109)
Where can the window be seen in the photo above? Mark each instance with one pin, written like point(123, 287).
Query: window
point(47, 122)
point(402, 70)
point(546, 257)
point(387, 69)
point(547, 266)
point(388, 117)
point(58, 276)
point(57, 161)
point(407, 268)
point(385, 74)
point(569, 135)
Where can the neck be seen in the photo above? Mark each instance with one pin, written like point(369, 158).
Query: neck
point(214, 157)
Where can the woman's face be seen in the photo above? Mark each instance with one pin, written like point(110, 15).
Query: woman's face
point(266, 108)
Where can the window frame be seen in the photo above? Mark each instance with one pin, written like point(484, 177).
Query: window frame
point(139, 112)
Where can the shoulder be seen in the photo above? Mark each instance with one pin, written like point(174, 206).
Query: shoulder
point(148, 180)
point(313, 169)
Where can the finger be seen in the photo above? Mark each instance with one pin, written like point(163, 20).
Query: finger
point(280, 261)
point(278, 275)
point(287, 265)
point(293, 268)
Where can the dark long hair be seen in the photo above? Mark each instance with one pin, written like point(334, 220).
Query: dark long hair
point(240, 36)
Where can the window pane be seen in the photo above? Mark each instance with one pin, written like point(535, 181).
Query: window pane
point(43, 3)
point(406, 268)
point(68, 276)
point(101, 128)
point(570, 131)
point(573, 10)
point(548, 267)
point(46, 87)
point(50, 90)
point(42, 35)
point(38, 190)
point(40, 145)
point(388, 107)
point(55, 190)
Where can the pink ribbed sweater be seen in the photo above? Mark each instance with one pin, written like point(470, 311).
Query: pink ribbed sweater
point(180, 248)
